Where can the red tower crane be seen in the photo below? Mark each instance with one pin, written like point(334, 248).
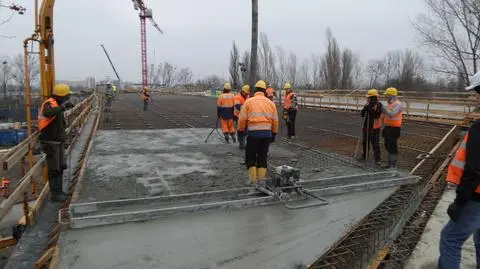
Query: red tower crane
point(144, 13)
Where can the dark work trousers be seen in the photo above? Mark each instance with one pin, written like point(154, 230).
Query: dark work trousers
point(145, 104)
point(374, 141)
point(256, 151)
point(55, 163)
point(292, 115)
point(391, 135)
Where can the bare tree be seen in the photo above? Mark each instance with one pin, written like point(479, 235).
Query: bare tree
point(347, 65)
point(185, 76)
point(19, 71)
point(331, 62)
point(292, 67)
point(282, 65)
point(375, 71)
point(403, 69)
point(316, 74)
point(244, 65)
point(304, 74)
point(267, 69)
point(254, 46)
point(235, 66)
point(452, 34)
point(210, 82)
point(5, 74)
point(168, 74)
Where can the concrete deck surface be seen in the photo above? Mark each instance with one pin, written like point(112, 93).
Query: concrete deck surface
point(264, 237)
point(426, 253)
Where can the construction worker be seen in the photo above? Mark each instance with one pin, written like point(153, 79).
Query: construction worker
point(372, 124)
point(52, 137)
point(259, 116)
point(240, 99)
point(114, 91)
point(146, 97)
point(225, 108)
point(109, 97)
point(270, 92)
point(464, 212)
point(290, 107)
point(5, 185)
point(392, 116)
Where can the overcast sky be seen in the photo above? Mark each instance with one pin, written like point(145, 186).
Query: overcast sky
point(199, 33)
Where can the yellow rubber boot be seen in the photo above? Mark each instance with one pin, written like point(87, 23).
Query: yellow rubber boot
point(261, 173)
point(252, 174)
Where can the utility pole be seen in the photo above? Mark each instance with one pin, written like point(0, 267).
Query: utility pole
point(253, 52)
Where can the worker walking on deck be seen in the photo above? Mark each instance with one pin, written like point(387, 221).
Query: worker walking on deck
point(52, 137)
point(393, 123)
point(114, 91)
point(259, 116)
point(271, 93)
point(290, 108)
point(240, 99)
point(225, 110)
point(372, 124)
point(146, 97)
point(464, 212)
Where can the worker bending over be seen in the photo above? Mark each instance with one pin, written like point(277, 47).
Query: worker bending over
point(225, 107)
point(372, 124)
point(259, 116)
point(270, 92)
point(464, 212)
point(146, 97)
point(393, 124)
point(240, 99)
point(290, 108)
point(52, 137)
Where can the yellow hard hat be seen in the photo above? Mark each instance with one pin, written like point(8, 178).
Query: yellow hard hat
point(227, 86)
point(246, 89)
point(391, 91)
point(287, 86)
point(372, 92)
point(61, 90)
point(261, 84)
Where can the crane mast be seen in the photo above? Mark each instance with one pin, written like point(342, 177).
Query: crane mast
point(144, 14)
point(111, 63)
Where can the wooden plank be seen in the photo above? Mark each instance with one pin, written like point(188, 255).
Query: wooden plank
point(47, 256)
point(55, 263)
point(22, 186)
point(36, 206)
point(7, 242)
point(17, 152)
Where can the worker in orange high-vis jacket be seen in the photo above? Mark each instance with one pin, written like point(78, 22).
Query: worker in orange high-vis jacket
point(259, 116)
point(464, 212)
point(271, 93)
point(392, 119)
point(146, 97)
point(290, 108)
point(225, 107)
point(240, 99)
point(5, 185)
point(52, 137)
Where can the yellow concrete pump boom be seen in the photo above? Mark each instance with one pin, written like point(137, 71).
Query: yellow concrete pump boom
point(47, 60)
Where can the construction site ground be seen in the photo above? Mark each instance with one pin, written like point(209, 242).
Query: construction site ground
point(132, 158)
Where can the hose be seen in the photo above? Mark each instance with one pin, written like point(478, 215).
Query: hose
point(213, 129)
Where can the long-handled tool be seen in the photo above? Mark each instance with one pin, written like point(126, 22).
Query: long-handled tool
point(213, 129)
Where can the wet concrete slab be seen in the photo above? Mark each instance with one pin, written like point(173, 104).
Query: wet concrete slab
point(263, 237)
point(140, 163)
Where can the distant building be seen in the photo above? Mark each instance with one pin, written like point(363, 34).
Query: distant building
point(91, 82)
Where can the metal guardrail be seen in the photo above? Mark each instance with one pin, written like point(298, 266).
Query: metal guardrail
point(36, 170)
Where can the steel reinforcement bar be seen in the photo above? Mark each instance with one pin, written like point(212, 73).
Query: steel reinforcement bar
point(378, 229)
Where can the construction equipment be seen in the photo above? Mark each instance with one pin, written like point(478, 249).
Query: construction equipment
point(145, 13)
point(111, 63)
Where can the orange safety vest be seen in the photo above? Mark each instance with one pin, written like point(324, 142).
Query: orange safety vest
point(42, 120)
point(395, 121)
point(258, 114)
point(457, 166)
point(270, 92)
point(239, 101)
point(377, 123)
point(5, 183)
point(288, 102)
point(144, 95)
